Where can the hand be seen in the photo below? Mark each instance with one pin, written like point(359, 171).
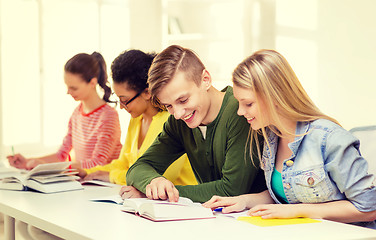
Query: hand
point(275, 211)
point(130, 192)
point(98, 175)
point(229, 204)
point(33, 162)
point(17, 161)
point(81, 173)
point(76, 165)
point(161, 188)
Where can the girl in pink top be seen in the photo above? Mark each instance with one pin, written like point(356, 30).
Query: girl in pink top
point(94, 128)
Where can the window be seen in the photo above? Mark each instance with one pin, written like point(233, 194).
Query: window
point(37, 38)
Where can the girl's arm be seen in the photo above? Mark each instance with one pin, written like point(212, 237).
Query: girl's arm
point(339, 211)
point(239, 203)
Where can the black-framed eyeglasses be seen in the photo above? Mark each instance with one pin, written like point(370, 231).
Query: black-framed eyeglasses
point(125, 103)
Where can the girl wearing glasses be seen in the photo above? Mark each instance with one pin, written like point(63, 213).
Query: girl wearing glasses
point(94, 128)
point(130, 73)
point(313, 167)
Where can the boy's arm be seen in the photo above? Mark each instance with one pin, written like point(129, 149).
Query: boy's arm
point(166, 148)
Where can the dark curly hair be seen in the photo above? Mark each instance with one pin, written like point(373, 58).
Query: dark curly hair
point(132, 67)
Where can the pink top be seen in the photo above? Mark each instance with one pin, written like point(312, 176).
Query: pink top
point(94, 136)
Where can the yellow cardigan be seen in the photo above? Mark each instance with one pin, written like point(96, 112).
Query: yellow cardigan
point(180, 172)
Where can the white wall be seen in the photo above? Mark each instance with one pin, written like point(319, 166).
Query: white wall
point(329, 43)
point(331, 46)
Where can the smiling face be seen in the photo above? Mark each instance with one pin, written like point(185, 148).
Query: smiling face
point(250, 107)
point(187, 101)
point(77, 87)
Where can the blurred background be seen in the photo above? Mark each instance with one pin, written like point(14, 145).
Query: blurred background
point(329, 43)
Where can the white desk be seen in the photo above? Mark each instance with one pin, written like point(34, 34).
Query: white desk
point(71, 215)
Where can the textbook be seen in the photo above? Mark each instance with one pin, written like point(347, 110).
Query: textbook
point(162, 210)
point(45, 178)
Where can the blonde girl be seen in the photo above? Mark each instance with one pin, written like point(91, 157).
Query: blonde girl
point(313, 167)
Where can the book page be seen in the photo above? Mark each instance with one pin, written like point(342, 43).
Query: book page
point(98, 183)
point(135, 203)
point(174, 211)
point(54, 178)
point(163, 210)
point(48, 168)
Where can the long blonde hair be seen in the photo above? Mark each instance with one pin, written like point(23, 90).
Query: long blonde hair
point(270, 76)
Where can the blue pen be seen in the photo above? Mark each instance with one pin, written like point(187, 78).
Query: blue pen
point(218, 209)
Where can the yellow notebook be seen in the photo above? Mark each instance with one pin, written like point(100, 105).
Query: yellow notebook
point(276, 221)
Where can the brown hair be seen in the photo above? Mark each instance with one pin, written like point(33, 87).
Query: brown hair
point(89, 67)
point(167, 63)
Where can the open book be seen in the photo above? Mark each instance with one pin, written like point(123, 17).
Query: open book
point(159, 210)
point(46, 178)
point(9, 171)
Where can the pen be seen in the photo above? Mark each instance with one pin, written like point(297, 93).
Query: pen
point(218, 209)
point(13, 150)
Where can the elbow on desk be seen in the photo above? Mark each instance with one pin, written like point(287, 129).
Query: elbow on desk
point(370, 216)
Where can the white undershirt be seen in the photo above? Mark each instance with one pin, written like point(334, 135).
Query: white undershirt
point(203, 131)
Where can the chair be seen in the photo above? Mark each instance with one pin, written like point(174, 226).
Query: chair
point(367, 137)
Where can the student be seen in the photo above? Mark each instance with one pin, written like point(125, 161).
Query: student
point(204, 125)
point(94, 128)
point(313, 167)
point(129, 74)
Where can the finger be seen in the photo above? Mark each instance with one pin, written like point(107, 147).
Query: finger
point(211, 201)
point(123, 190)
point(148, 192)
point(128, 195)
point(222, 202)
point(173, 194)
point(154, 191)
point(162, 189)
point(232, 208)
point(215, 205)
point(176, 192)
point(256, 209)
point(89, 177)
point(268, 216)
point(262, 212)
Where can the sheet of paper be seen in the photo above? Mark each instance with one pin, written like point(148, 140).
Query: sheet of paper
point(275, 221)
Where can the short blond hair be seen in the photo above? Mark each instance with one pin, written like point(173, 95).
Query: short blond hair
point(170, 61)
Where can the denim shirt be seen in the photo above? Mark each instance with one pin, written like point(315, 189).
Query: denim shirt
point(325, 165)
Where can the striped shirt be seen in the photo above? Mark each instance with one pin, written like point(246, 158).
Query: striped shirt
point(94, 136)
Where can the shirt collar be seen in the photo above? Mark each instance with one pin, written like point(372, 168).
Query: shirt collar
point(300, 132)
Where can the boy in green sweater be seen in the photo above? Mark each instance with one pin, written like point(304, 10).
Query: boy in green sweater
point(205, 125)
